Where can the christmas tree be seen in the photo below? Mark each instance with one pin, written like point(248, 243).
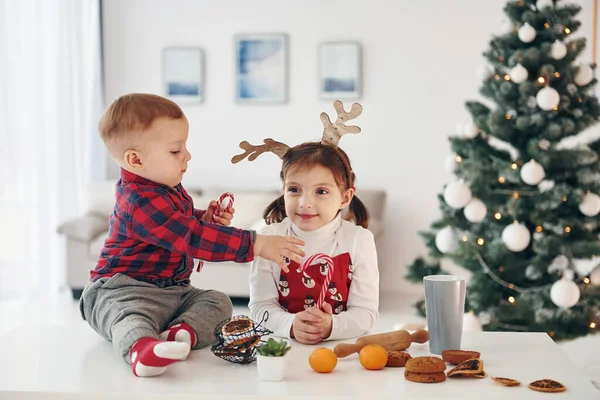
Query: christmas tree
point(522, 214)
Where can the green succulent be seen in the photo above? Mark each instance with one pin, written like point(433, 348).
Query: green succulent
point(273, 348)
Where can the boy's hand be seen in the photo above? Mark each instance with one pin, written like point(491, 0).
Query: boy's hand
point(326, 317)
point(307, 328)
point(224, 218)
point(275, 248)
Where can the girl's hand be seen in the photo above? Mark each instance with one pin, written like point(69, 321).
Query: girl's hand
point(275, 248)
point(326, 317)
point(307, 328)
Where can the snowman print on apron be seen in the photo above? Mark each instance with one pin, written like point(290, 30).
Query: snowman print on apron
point(284, 287)
point(335, 295)
point(309, 301)
point(350, 271)
point(307, 280)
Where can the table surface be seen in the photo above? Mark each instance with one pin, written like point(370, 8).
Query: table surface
point(60, 362)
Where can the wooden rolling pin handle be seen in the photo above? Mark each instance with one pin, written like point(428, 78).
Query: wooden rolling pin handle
point(345, 349)
point(420, 336)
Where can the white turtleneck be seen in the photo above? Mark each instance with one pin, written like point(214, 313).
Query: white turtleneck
point(363, 295)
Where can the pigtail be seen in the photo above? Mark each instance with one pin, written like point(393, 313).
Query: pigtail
point(358, 213)
point(275, 212)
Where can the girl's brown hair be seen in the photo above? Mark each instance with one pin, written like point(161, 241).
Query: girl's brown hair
point(308, 155)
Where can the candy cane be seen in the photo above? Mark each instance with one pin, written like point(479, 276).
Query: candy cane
point(308, 262)
point(224, 204)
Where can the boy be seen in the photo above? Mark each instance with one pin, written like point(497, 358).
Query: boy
point(140, 296)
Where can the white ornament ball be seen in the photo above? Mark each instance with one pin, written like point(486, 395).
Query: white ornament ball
point(547, 98)
point(471, 323)
point(516, 237)
point(507, 26)
point(518, 74)
point(540, 4)
point(532, 173)
point(564, 293)
point(558, 51)
point(457, 194)
point(584, 75)
point(527, 33)
point(590, 206)
point(470, 130)
point(475, 211)
point(484, 72)
point(446, 241)
point(595, 276)
point(451, 163)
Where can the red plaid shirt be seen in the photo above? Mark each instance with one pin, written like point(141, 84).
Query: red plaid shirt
point(155, 233)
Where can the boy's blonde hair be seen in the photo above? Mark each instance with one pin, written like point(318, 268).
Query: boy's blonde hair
point(130, 115)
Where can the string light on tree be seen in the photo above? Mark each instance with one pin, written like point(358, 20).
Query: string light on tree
point(452, 162)
point(590, 206)
point(516, 236)
point(547, 98)
point(558, 51)
point(584, 75)
point(457, 194)
point(527, 33)
point(519, 74)
point(532, 173)
point(475, 211)
point(445, 240)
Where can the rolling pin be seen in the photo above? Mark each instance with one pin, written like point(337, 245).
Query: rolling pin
point(391, 341)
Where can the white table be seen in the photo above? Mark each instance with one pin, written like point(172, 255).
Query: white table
point(58, 362)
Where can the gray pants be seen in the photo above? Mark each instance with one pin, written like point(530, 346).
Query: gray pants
point(124, 310)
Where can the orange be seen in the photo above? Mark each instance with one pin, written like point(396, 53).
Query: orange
point(323, 360)
point(373, 356)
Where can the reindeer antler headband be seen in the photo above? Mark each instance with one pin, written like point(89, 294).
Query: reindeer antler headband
point(332, 134)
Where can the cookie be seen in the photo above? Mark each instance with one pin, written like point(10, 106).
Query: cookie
point(426, 365)
point(506, 381)
point(433, 377)
point(457, 356)
point(237, 325)
point(474, 366)
point(397, 358)
point(547, 385)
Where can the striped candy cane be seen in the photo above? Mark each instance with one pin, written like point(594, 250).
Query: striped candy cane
point(329, 261)
point(224, 204)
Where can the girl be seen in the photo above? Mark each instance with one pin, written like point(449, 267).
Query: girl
point(319, 207)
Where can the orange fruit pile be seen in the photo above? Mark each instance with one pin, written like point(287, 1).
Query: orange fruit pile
point(373, 356)
point(323, 360)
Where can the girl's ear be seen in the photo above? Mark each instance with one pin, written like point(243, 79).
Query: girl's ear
point(347, 196)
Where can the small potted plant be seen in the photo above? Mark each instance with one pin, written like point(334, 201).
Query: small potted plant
point(271, 360)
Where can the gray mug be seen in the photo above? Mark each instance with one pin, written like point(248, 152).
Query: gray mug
point(444, 308)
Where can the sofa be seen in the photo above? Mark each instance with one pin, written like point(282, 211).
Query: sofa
point(85, 234)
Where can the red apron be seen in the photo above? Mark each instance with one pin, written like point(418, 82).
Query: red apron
point(300, 290)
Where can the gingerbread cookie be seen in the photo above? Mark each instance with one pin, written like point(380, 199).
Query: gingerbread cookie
point(424, 377)
point(506, 381)
point(397, 358)
point(426, 365)
point(457, 356)
point(547, 385)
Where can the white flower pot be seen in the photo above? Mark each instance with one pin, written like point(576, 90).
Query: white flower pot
point(271, 369)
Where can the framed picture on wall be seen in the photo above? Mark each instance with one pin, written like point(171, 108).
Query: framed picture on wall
point(183, 74)
point(261, 70)
point(340, 74)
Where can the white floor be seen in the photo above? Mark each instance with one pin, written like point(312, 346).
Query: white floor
point(396, 312)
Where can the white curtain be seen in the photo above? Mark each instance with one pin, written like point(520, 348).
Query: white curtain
point(50, 103)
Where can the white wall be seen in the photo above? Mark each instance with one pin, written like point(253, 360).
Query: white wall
point(419, 63)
